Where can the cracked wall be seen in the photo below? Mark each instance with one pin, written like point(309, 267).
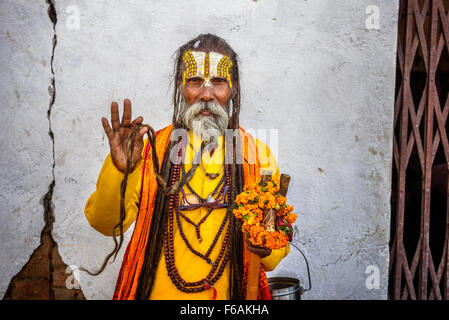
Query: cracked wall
point(314, 63)
point(26, 155)
point(44, 275)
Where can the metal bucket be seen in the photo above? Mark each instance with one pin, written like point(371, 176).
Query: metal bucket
point(284, 288)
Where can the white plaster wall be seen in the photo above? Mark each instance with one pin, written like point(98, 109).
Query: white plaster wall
point(26, 156)
point(310, 69)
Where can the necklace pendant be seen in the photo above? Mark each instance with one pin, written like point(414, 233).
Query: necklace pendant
point(209, 261)
point(212, 175)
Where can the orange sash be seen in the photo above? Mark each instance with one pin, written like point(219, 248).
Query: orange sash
point(128, 278)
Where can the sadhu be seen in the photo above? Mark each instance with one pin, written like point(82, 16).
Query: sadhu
point(179, 185)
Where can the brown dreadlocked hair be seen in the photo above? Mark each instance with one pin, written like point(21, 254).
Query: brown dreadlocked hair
point(205, 43)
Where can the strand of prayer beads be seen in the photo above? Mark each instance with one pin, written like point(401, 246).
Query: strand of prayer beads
point(203, 256)
point(202, 200)
point(220, 184)
point(223, 257)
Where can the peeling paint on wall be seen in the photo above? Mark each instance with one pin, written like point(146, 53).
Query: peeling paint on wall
point(45, 276)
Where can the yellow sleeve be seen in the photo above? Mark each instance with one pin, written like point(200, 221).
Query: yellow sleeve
point(270, 262)
point(268, 162)
point(103, 206)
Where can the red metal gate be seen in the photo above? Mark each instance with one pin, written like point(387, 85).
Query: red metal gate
point(419, 264)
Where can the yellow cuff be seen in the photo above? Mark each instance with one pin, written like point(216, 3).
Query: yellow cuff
point(270, 262)
point(103, 207)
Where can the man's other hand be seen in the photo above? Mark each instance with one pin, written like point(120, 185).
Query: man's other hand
point(262, 252)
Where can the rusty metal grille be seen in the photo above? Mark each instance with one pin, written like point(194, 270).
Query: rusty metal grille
point(419, 264)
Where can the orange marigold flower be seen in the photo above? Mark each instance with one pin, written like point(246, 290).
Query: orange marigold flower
point(271, 188)
point(291, 218)
point(251, 220)
point(238, 213)
point(241, 198)
point(271, 200)
point(281, 200)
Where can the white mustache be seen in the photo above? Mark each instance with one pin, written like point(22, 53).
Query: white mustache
point(213, 107)
point(206, 126)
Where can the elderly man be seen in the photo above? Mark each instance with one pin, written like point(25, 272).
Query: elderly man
point(185, 244)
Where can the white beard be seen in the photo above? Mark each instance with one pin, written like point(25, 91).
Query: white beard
point(206, 127)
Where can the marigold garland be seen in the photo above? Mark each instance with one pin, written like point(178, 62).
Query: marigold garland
point(249, 206)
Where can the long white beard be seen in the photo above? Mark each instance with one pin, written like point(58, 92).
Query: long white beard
point(207, 127)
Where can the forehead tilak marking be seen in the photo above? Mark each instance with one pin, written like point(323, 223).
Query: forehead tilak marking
point(191, 66)
point(224, 69)
point(206, 65)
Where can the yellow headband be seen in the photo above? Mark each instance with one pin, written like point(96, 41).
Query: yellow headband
point(206, 66)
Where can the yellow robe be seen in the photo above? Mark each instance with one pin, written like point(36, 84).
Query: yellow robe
point(103, 211)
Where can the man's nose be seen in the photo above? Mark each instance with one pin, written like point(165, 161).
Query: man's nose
point(206, 94)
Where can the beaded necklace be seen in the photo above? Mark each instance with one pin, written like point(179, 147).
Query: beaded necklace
point(211, 176)
point(220, 184)
point(220, 263)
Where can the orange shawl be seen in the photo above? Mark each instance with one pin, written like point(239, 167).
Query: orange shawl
point(128, 277)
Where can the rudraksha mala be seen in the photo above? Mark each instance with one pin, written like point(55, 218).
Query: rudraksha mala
point(220, 263)
point(221, 185)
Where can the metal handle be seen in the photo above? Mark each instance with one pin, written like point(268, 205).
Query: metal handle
point(307, 265)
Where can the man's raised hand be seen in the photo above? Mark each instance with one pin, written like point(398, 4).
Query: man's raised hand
point(118, 135)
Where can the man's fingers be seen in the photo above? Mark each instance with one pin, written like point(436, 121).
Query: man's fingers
point(136, 121)
point(141, 132)
point(127, 112)
point(107, 128)
point(138, 145)
point(115, 116)
point(261, 251)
